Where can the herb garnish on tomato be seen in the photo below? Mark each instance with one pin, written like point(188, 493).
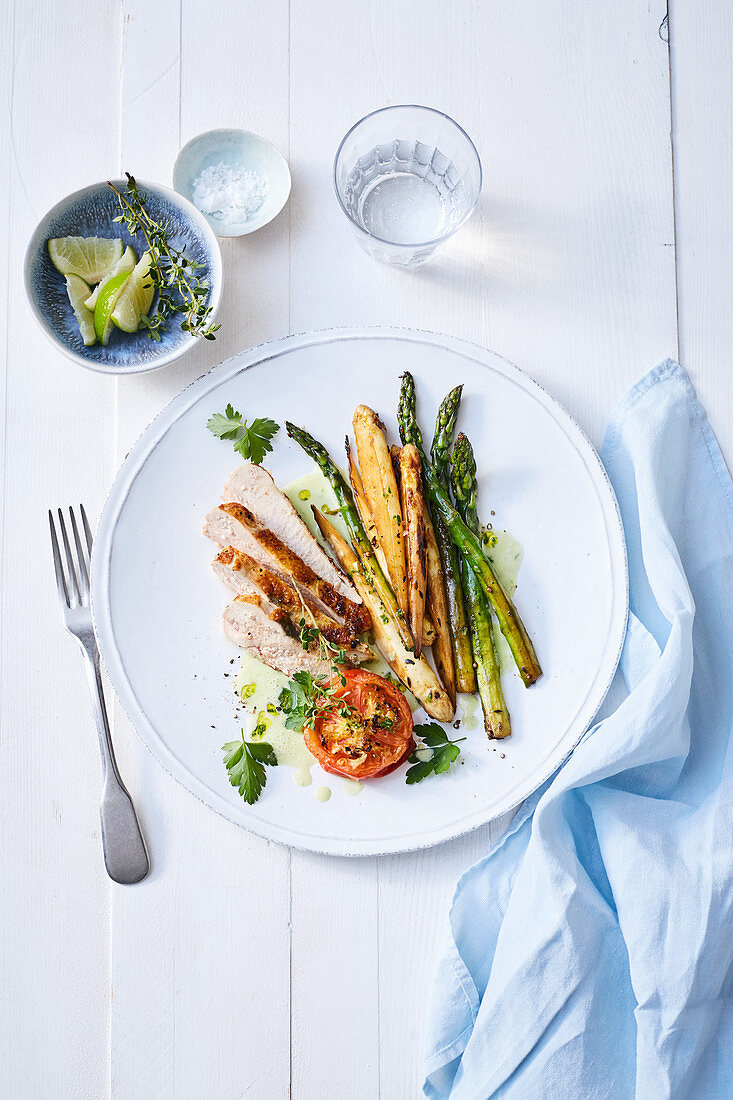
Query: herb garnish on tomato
point(371, 736)
point(356, 723)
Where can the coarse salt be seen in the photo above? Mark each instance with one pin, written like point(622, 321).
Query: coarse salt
point(229, 194)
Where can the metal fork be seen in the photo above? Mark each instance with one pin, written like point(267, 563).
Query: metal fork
point(125, 855)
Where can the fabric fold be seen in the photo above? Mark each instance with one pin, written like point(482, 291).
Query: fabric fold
point(590, 952)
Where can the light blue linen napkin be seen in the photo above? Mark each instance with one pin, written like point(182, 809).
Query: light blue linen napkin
point(590, 953)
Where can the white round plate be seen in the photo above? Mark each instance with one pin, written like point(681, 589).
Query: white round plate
point(157, 604)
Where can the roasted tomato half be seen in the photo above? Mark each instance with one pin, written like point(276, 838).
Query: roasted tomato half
point(366, 729)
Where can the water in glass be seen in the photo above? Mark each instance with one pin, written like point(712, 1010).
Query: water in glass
point(405, 192)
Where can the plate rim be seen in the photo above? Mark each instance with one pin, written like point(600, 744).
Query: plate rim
point(150, 438)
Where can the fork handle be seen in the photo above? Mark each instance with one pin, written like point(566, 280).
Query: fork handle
point(125, 854)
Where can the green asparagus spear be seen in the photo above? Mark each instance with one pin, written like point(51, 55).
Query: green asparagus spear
point(354, 525)
point(445, 426)
point(488, 675)
point(469, 545)
point(449, 555)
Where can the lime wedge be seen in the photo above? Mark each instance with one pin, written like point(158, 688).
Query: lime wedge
point(127, 263)
point(136, 298)
point(106, 303)
point(78, 290)
point(91, 258)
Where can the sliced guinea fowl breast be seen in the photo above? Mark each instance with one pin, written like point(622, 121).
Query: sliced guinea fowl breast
point(248, 625)
point(234, 525)
point(253, 487)
point(248, 578)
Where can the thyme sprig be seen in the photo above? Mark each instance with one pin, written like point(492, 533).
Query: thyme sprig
point(173, 274)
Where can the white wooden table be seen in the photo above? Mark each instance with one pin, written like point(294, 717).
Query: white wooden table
point(602, 244)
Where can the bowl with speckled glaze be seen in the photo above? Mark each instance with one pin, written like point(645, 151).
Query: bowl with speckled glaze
point(90, 213)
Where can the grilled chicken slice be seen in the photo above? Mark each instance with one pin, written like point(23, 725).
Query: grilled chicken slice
point(253, 487)
point(234, 525)
point(246, 577)
point(247, 624)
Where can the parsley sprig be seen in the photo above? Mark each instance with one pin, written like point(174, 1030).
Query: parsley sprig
point(245, 761)
point(443, 752)
point(300, 699)
point(251, 441)
point(173, 274)
point(306, 695)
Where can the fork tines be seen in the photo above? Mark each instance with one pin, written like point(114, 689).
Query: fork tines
point(73, 583)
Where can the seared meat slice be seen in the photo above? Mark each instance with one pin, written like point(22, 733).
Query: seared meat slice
point(234, 525)
point(250, 579)
point(253, 487)
point(248, 625)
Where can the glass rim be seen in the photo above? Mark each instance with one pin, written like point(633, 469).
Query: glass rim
point(401, 107)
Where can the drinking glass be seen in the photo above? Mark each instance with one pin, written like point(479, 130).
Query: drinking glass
point(407, 177)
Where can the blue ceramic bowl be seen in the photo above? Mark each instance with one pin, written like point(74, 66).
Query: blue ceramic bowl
point(237, 149)
point(90, 213)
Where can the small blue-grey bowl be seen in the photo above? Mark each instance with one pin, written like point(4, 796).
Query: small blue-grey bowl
point(90, 213)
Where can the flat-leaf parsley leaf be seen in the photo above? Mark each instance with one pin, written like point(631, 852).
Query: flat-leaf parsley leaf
point(252, 441)
point(306, 696)
point(245, 761)
point(300, 700)
point(443, 752)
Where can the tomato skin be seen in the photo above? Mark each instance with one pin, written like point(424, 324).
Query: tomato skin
point(362, 745)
